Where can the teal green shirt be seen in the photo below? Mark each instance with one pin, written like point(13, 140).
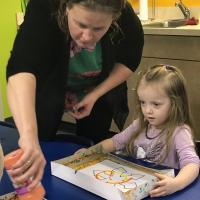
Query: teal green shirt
point(84, 69)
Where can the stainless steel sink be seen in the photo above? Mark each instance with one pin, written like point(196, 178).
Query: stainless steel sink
point(166, 24)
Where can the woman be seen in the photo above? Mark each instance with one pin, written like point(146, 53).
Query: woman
point(72, 55)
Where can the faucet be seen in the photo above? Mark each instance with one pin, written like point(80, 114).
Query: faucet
point(184, 9)
point(153, 13)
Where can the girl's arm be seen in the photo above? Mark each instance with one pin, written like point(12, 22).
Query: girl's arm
point(118, 141)
point(108, 145)
point(187, 175)
point(168, 185)
point(189, 163)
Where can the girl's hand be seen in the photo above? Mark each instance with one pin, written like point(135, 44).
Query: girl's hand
point(31, 164)
point(82, 150)
point(164, 186)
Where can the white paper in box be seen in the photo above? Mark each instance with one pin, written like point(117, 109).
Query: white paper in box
point(107, 175)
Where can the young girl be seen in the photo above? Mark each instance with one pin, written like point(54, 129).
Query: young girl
point(162, 131)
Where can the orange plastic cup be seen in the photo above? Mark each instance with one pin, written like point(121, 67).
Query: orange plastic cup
point(1, 162)
point(23, 194)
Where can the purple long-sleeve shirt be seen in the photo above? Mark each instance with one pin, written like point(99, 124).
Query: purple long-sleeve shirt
point(151, 145)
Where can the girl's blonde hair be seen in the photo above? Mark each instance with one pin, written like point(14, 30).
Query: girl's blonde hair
point(111, 6)
point(174, 84)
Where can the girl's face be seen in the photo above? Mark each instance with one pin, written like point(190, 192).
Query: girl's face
point(86, 26)
point(155, 104)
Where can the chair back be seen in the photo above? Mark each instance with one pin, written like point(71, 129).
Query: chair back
point(9, 137)
point(197, 143)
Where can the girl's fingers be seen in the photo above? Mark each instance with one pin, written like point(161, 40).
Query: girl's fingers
point(158, 194)
point(159, 184)
point(159, 176)
point(82, 150)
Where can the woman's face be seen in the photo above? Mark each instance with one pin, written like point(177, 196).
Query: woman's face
point(86, 26)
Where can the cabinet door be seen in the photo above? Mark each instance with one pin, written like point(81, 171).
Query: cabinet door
point(172, 47)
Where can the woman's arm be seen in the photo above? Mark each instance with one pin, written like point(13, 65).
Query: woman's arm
point(21, 97)
point(119, 74)
point(168, 185)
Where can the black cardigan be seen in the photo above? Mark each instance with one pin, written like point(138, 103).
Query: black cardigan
point(42, 49)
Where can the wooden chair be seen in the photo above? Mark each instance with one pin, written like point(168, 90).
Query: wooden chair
point(197, 143)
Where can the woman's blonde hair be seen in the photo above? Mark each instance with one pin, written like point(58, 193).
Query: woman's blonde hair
point(174, 84)
point(111, 6)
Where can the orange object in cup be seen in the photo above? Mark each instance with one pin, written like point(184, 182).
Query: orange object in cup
point(23, 194)
point(1, 162)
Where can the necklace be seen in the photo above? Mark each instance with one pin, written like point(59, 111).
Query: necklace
point(151, 138)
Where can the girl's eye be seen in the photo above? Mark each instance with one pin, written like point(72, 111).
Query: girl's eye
point(142, 102)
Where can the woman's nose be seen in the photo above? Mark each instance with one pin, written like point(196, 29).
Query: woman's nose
point(87, 35)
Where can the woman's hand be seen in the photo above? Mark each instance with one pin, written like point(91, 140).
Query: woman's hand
point(164, 186)
point(84, 107)
point(31, 164)
point(119, 74)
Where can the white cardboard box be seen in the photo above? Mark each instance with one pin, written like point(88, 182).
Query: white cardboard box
point(107, 175)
